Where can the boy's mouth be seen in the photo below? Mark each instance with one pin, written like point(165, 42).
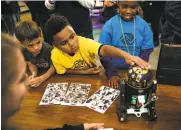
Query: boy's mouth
point(128, 17)
point(74, 49)
point(36, 53)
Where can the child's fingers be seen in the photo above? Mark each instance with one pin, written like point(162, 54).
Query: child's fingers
point(33, 82)
point(111, 83)
point(115, 84)
point(144, 64)
point(139, 62)
point(30, 77)
point(97, 70)
point(97, 67)
point(34, 86)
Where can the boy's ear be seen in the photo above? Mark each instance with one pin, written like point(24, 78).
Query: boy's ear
point(53, 43)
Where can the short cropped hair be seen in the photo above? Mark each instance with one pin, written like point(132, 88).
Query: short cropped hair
point(27, 30)
point(55, 24)
point(139, 2)
point(8, 61)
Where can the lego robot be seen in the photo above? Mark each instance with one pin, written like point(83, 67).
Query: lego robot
point(138, 94)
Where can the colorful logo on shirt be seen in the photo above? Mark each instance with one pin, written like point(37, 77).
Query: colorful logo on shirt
point(80, 64)
point(128, 38)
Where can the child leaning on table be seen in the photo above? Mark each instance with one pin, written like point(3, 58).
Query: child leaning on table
point(13, 86)
point(128, 32)
point(74, 54)
point(35, 50)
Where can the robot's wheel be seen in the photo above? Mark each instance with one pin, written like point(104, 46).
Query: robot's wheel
point(122, 118)
point(151, 118)
point(152, 113)
point(121, 115)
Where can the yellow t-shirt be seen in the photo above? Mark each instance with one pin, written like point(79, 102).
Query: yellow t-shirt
point(83, 58)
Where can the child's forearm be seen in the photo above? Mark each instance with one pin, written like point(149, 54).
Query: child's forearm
point(49, 73)
point(71, 71)
point(33, 69)
point(109, 67)
point(145, 54)
point(94, 70)
point(111, 51)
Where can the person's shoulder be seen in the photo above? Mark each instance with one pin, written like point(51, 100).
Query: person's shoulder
point(141, 23)
point(113, 19)
point(83, 40)
point(47, 46)
point(25, 51)
point(140, 20)
point(55, 51)
point(86, 43)
point(111, 23)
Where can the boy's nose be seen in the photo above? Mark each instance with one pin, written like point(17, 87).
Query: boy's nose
point(128, 10)
point(36, 47)
point(70, 43)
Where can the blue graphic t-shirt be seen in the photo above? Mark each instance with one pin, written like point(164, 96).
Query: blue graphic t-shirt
point(112, 35)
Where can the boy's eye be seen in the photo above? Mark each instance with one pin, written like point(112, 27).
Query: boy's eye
point(134, 6)
point(38, 43)
point(30, 45)
point(126, 6)
point(63, 43)
point(72, 37)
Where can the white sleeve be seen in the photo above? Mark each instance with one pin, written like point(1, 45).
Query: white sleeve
point(87, 3)
point(8, 1)
point(50, 6)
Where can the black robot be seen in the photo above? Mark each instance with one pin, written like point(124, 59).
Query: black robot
point(138, 94)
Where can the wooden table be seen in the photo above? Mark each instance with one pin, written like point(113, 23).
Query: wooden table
point(33, 116)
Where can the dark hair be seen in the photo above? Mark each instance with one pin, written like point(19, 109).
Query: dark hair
point(55, 24)
point(139, 2)
point(8, 61)
point(27, 30)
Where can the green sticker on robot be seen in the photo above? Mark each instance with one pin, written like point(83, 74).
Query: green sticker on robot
point(134, 99)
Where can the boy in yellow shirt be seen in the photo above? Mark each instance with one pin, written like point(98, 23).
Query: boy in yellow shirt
point(74, 54)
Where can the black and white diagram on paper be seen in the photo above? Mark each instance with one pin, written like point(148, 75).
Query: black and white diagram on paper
point(54, 93)
point(77, 94)
point(102, 99)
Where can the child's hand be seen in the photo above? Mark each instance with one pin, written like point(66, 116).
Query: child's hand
point(35, 82)
point(94, 70)
point(33, 75)
point(89, 126)
point(113, 81)
point(131, 60)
